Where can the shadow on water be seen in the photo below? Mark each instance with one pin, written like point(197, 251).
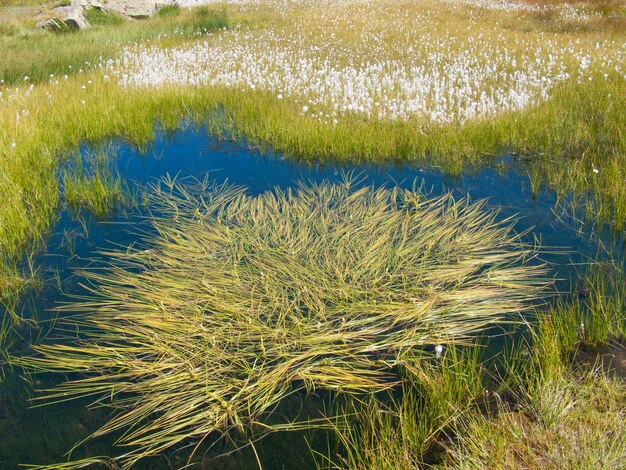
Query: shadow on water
point(42, 435)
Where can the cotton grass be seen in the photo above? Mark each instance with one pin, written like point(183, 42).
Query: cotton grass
point(241, 301)
point(381, 61)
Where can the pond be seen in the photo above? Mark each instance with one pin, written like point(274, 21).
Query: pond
point(42, 435)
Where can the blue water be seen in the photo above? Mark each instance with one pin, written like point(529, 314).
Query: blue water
point(193, 153)
point(42, 435)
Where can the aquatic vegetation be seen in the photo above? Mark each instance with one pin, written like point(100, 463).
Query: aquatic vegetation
point(242, 301)
point(97, 187)
point(561, 410)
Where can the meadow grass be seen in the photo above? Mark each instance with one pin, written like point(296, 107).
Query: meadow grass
point(243, 301)
point(99, 17)
point(169, 10)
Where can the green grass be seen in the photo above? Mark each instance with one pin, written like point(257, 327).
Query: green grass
point(97, 188)
point(169, 10)
point(30, 153)
point(543, 395)
point(58, 121)
point(19, 3)
point(586, 430)
point(567, 136)
point(401, 431)
point(561, 412)
point(242, 301)
point(99, 17)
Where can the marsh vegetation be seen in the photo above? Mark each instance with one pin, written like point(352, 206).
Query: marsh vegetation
point(428, 320)
point(241, 301)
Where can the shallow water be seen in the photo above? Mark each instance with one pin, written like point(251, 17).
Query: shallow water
point(42, 435)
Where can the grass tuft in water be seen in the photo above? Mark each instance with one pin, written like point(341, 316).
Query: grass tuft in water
point(242, 301)
point(96, 187)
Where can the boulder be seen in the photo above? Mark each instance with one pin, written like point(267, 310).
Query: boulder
point(131, 8)
point(72, 16)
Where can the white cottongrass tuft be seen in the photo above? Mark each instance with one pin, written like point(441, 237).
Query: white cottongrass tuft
point(420, 71)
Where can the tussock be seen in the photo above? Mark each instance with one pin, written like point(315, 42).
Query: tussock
point(240, 301)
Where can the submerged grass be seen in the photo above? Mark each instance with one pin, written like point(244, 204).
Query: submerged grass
point(242, 301)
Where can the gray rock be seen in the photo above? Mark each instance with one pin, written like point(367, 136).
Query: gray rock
point(53, 24)
point(131, 8)
point(76, 19)
point(65, 17)
point(72, 16)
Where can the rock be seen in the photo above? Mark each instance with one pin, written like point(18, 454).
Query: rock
point(72, 16)
point(63, 17)
point(76, 19)
point(53, 24)
point(132, 8)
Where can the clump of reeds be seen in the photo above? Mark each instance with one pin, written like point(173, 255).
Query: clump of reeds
point(241, 301)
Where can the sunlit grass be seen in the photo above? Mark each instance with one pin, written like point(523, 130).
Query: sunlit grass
point(400, 431)
point(95, 185)
point(242, 301)
point(52, 118)
point(586, 429)
point(536, 405)
point(571, 133)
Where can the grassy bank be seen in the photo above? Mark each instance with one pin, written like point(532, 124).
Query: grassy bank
point(29, 55)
